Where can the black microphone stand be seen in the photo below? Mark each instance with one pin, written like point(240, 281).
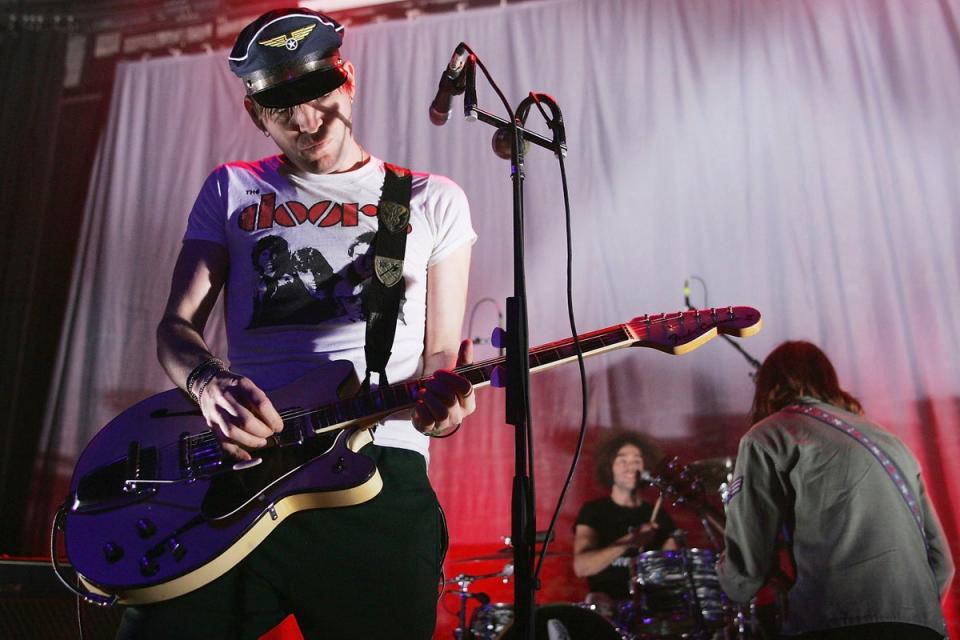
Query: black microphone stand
point(523, 513)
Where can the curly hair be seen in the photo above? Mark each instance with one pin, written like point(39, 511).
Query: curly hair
point(795, 369)
point(278, 248)
point(611, 443)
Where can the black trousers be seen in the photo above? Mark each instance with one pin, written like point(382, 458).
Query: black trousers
point(346, 574)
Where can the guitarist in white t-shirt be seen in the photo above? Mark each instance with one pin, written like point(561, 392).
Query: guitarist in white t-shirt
point(350, 572)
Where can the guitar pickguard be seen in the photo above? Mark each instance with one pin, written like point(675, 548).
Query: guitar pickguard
point(232, 491)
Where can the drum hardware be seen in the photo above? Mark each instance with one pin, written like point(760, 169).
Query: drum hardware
point(567, 622)
point(502, 555)
point(463, 582)
point(506, 552)
point(715, 474)
point(676, 593)
point(685, 488)
point(654, 597)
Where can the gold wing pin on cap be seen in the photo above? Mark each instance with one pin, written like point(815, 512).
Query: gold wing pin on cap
point(291, 41)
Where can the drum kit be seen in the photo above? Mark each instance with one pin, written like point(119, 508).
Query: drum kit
point(673, 594)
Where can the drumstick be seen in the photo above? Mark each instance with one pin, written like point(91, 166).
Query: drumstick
point(656, 508)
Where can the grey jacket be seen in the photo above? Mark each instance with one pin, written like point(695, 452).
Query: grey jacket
point(858, 551)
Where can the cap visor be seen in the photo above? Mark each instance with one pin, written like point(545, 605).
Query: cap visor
point(303, 89)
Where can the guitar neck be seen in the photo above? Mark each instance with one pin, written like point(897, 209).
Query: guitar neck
point(553, 354)
point(373, 405)
point(675, 333)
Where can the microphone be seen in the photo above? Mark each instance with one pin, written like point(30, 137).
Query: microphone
point(686, 294)
point(453, 82)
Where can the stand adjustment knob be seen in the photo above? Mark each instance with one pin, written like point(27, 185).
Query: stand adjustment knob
point(498, 377)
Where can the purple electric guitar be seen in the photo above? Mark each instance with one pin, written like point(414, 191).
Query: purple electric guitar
point(157, 510)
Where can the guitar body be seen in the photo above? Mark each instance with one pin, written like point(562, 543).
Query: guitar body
point(151, 542)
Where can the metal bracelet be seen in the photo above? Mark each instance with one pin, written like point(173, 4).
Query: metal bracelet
point(445, 435)
point(199, 371)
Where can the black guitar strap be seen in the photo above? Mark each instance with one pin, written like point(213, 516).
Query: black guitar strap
point(382, 297)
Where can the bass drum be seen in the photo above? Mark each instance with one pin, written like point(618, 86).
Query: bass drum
point(567, 621)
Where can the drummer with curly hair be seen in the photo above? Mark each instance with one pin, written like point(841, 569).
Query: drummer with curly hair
point(611, 530)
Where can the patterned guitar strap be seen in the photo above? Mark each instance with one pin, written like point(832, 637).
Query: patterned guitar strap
point(383, 295)
point(888, 465)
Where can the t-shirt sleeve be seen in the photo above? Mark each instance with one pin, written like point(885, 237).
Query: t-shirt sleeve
point(587, 515)
point(208, 216)
point(450, 217)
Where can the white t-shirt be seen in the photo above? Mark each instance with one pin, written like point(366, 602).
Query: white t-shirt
point(300, 255)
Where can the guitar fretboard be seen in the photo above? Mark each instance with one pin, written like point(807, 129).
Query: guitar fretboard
point(674, 333)
point(395, 397)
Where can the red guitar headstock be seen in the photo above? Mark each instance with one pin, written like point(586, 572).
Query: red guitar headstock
point(684, 331)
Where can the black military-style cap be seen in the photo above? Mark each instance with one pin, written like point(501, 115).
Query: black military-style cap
point(289, 56)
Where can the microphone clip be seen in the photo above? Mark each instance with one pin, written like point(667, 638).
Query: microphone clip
point(502, 138)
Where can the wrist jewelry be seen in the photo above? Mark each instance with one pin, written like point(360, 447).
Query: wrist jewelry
point(446, 435)
point(214, 365)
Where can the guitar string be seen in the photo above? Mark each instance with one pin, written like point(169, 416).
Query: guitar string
point(479, 366)
point(292, 414)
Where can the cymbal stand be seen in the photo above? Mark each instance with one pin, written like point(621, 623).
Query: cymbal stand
point(463, 582)
point(710, 525)
point(696, 606)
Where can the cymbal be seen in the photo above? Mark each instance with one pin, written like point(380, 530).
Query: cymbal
point(503, 575)
point(505, 554)
point(712, 472)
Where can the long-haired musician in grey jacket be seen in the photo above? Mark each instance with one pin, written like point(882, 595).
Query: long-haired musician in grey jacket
point(869, 552)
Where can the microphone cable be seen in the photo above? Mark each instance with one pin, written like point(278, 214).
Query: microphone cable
point(556, 125)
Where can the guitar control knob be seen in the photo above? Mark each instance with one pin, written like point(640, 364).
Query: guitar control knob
point(339, 466)
point(176, 549)
point(148, 566)
point(146, 528)
point(112, 551)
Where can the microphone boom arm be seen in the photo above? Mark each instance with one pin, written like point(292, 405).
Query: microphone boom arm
point(529, 136)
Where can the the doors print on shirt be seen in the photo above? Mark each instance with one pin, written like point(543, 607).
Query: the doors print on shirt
point(301, 287)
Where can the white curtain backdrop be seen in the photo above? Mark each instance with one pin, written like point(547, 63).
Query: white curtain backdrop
point(800, 157)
